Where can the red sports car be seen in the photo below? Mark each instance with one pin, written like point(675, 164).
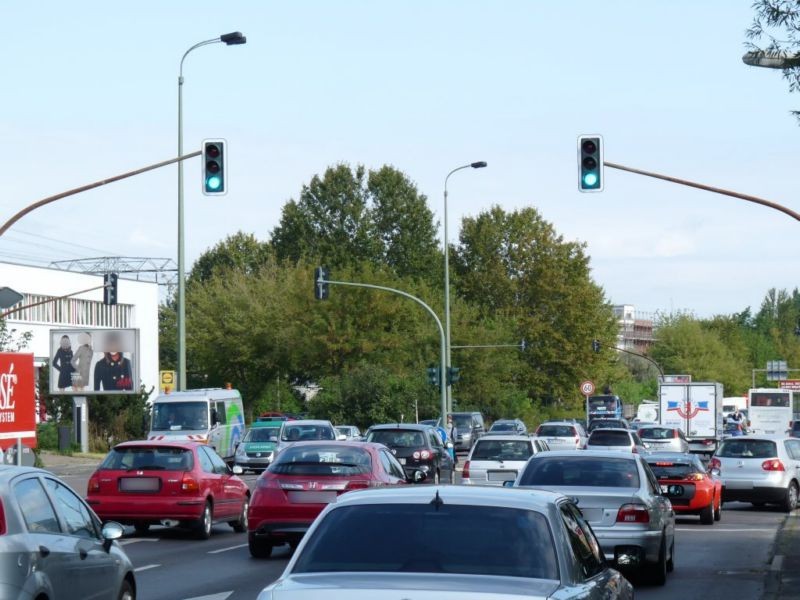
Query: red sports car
point(307, 476)
point(688, 485)
point(168, 483)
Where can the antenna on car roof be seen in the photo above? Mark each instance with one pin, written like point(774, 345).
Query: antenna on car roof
point(437, 500)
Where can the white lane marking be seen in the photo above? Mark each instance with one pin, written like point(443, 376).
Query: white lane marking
point(721, 530)
point(134, 541)
point(145, 568)
point(226, 550)
point(220, 596)
point(777, 563)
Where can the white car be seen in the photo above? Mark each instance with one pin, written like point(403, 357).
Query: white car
point(497, 458)
point(501, 544)
point(562, 435)
point(615, 440)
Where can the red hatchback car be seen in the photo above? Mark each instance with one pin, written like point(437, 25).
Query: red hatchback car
point(306, 477)
point(687, 483)
point(169, 483)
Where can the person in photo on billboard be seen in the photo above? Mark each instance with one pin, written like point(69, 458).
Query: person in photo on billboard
point(82, 362)
point(62, 362)
point(113, 372)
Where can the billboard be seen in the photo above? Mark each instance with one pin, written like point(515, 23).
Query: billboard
point(17, 400)
point(87, 362)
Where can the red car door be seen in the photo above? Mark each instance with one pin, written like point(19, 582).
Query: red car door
point(230, 496)
point(211, 481)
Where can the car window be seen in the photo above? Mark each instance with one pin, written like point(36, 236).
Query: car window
point(148, 457)
point(673, 469)
point(322, 460)
point(656, 433)
point(72, 509)
point(496, 541)
point(580, 470)
point(601, 437)
point(652, 482)
point(636, 439)
point(216, 460)
point(292, 432)
point(39, 515)
point(221, 417)
point(391, 466)
point(557, 431)
point(743, 448)
point(435, 440)
point(583, 543)
point(205, 460)
point(397, 438)
point(793, 448)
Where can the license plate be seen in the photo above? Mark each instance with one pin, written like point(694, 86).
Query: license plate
point(312, 497)
point(502, 475)
point(139, 484)
point(402, 461)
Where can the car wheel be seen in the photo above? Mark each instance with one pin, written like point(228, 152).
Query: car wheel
point(790, 500)
point(240, 525)
point(707, 514)
point(718, 512)
point(259, 548)
point(141, 528)
point(671, 560)
point(126, 591)
point(205, 523)
point(657, 573)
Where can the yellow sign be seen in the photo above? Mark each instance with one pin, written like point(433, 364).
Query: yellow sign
point(167, 381)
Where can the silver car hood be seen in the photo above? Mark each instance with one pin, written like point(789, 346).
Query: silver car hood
point(412, 586)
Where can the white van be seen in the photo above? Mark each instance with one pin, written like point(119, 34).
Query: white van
point(211, 416)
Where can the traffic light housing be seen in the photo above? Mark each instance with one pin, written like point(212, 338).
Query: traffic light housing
point(433, 375)
point(596, 345)
point(590, 163)
point(453, 375)
point(321, 277)
point(110, 289)
point(214, 168)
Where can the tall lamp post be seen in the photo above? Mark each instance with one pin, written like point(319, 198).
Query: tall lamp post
point(446, 376)
point(229, 39)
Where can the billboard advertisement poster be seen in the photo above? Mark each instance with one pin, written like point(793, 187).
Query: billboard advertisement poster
point(17, 400)
point(85, 362)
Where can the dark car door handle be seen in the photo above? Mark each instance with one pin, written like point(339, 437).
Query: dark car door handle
point(44, 551)
point(83, 554)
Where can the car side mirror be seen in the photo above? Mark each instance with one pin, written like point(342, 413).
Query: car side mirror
point(419, 477)
point(237, 470)
point(111, 531)
point(508, 484)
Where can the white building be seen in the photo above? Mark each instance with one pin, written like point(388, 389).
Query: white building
point(137, 309)
point(636, 328)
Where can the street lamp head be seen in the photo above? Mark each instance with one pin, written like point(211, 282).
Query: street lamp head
point(232, 39)
point(478, 165)
point(771, 60)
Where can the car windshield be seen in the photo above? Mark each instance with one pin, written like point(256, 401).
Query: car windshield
point(262, 434)
point(557, 431)
point(606, 423)
point(581, 471)
point(333, 460)
point(656, 433)
point(462, 422)
point(507, 426)
point(678, 469)
point(739, 448)
point(163, 458)
point(180, 416)
point(298, 433)
point(603, 437)
point(397, 438)
point(481, 540)
point(501, 450)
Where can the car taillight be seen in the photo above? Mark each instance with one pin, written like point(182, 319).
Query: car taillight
point(773, 464)
point(633, 513)
point(424, 455)
point(358, 485)
point(189, 484)
point(465, 472)
point(93, 485)
point(695, 477)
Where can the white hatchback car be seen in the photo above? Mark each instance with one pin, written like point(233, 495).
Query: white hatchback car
point(563, 435)
point(497, 458)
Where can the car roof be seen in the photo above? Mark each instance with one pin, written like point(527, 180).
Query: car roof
point(570, 423)
point(538, 500)
point(306, 422)
point(337, 444)
point(611, 429)
point(186, 444)
point(586, 453)
point(259, 424)
point(673, 456)
point(507, 421)
point(504, 438)
point(10, 471)
point(412, 426)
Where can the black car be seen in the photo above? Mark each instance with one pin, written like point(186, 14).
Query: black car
point(608, 424)
point(417, 447)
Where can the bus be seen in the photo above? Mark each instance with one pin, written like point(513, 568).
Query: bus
point(604, 407)
point(771, 410)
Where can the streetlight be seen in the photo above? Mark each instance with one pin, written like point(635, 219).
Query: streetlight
point(771, 60)
point(229, 39)
point(9, 297)
point(445, 376)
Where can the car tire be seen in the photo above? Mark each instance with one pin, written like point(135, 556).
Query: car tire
point(126, 591)
point(671, 559)
point(259, 548)
point(718, 512)
point(707, 514)
point(790, 500)
point(204, 524)
point(240, 524)
point(141, 528)
point(657, 573)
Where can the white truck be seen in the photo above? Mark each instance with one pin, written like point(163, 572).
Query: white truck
point(771, 411)
point(695, 409)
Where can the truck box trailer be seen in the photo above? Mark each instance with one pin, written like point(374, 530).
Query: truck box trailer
point(696, 409)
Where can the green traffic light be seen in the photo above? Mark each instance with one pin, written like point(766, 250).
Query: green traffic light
point(213, 183)
point(590, 179)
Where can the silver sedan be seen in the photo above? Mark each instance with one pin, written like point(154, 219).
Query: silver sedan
point(620, 498)
point(500, 544)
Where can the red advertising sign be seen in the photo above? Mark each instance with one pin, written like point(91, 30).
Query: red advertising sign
point(790, 384)
point(17, 400)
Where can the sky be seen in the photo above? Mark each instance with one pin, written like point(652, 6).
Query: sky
point(89, 90)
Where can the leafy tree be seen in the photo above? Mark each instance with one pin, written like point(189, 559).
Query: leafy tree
point(168, 335)
point(238, 252)
point(12, 340)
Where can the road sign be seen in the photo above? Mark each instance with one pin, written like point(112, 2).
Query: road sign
point(790, 384)
point(167, 381)
point(587, 388)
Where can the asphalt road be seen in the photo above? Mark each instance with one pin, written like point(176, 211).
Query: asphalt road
point(728, 560)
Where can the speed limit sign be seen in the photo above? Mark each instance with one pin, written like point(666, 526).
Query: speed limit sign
point(587, 388)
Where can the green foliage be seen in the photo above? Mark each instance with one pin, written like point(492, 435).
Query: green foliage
point(12, 340)
point(240, 252)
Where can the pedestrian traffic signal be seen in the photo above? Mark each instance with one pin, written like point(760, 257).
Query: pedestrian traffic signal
point(214, 168)
point(433, 375)
point(596, 345)
point(590, 163)
point(110, 289)
point(321, 276)
point(453, 375)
